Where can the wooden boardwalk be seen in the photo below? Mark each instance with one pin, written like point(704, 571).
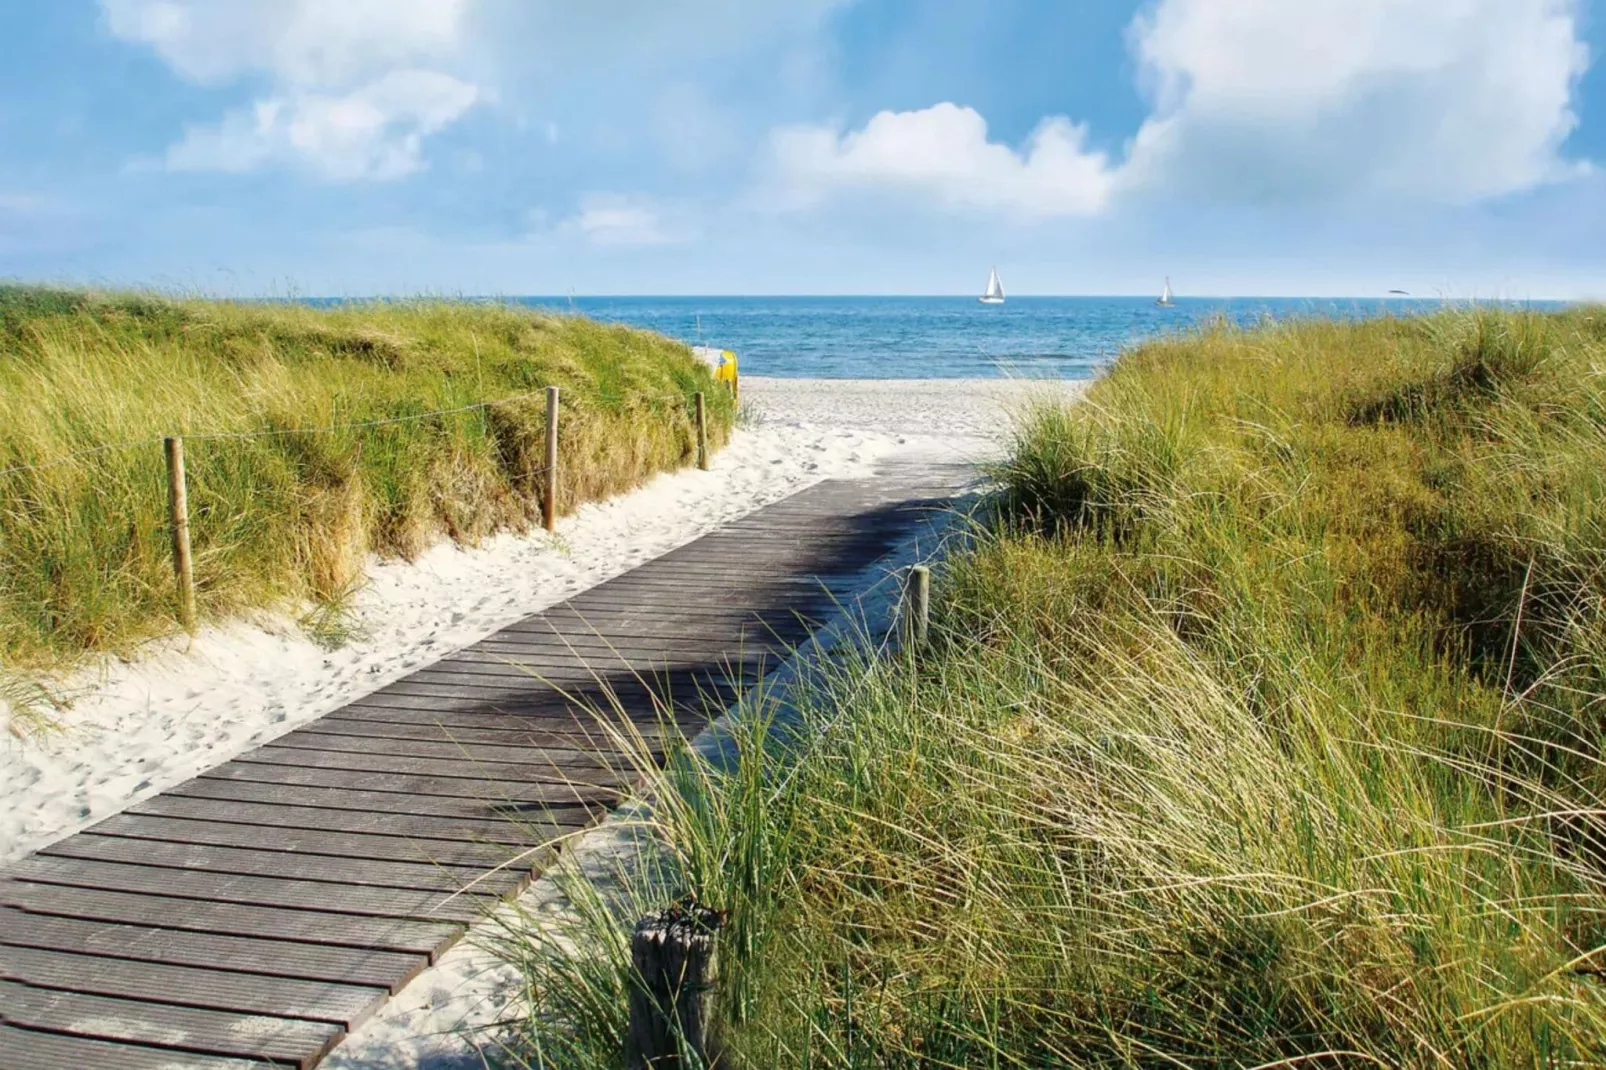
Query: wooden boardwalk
point(257, 913)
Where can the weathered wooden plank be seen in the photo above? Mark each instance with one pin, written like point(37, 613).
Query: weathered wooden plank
point(727, 584)
point(846, 514)
point(557, 680)
point(691, 607)
point(600, 603)
point(551, 655)
point(594, 737)
point(44, 1049)
point(566, 687)
point(574, 722)
point(607, 595)
point(192, 986)
point(538, 661)
point(495, 691)
point(298, 839)
point(497, 811)
point(564, 705)
point(255, 891)
point(499, 670)
point(512, 794)
point(769, 547)
point(177, 947)
point(705, 636)
point(580, 657)
point(579, 700)
point(795, 577)
point(427, 938)
point(553, 772)
point(332, 870)
point(763, 556)
point(705, 633)
point(490, 830)
point(637, 704)
point(380, 742)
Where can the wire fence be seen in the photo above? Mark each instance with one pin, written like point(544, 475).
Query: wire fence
point(270, 432)
point(177, 480)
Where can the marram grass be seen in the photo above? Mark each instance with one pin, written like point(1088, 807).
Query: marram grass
point(284, 515)
point(1263, 728)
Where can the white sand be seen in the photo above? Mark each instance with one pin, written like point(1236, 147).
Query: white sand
point(975, 410)
point(137, 728)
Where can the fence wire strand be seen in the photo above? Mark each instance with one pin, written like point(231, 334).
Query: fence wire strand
point(216, 436)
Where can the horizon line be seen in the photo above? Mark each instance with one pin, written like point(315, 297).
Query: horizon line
point(402, 296)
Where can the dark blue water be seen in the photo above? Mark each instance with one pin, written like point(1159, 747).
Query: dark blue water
point(942, 337)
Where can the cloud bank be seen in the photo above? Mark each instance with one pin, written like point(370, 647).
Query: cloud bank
point(353, 87)
point(1448, 101)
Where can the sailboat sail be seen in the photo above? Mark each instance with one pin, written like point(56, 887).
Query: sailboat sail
point(995, 289)
point(1165, 297)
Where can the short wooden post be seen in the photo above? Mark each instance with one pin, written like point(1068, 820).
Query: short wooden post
point(178, 520)
point(917, 606)
point(673, 956)
point(736, 386)
point(549, 500)
point(702, 433)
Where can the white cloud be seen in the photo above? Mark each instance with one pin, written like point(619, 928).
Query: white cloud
point(374, 132)
point(608, 219)
point(1448, 100)
point(1435, 100)
point(304, 42)
point(355, 85)
point(943, 152)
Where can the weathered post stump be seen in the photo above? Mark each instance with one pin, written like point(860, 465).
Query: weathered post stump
point(549, 495)
point(917, 607)
point(702, 433)
point(178, 520)
point(673, 955)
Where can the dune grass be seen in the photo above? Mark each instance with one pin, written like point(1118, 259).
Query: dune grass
point(1262, 728)
point(284, 517)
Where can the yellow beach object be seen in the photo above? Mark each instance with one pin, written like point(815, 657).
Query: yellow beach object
point(723, 361)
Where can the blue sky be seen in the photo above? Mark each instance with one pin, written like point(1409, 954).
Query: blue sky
point(1260, 147)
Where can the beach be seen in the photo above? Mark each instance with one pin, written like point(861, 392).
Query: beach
point(130, 729)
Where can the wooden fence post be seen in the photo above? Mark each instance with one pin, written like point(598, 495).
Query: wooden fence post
point(549, 502)
point(178, 520)
point(673, 956)
point(917, 606)
point(702, 433)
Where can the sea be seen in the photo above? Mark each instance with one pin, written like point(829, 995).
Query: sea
point(945, 337)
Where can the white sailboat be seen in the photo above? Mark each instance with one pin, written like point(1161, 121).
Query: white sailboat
point(1165, 297)
point(995, 290)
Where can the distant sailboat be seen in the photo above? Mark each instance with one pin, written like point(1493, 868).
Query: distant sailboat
point(1165, 297)
point(995, 290)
